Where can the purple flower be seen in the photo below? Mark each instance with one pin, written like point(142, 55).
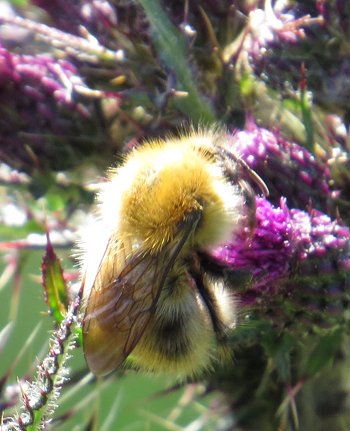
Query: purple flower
point(102, 19)
point(269, 253)
point(39, 93)
point(269, 26)
point(287, 168)
point(40, 77)
point(301, 256)
point(296, 254)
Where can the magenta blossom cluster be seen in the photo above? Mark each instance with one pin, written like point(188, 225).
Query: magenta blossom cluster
point(297, 249)
point(287, 168)
point(283, 241)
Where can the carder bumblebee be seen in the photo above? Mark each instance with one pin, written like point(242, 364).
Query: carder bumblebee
point(148, 296)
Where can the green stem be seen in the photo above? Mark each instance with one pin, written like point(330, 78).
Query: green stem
point(170, 43)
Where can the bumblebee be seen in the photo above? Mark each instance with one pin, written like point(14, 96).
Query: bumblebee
point(148, 296)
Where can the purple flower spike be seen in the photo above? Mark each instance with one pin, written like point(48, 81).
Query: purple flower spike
point(287, 168)
point(294, 254)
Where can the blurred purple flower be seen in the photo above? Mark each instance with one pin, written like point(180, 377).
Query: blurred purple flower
point(39, 93)
point(95, 14)
point(33, 89)
point(101, 19)
point(270, 25)
point(40, 77)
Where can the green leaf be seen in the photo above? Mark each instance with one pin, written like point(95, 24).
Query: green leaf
point(171, 46)
point(8, 233)
point(306, 111)
point(279, 349)
point(247, 85)
point(19, 3)
point(55, 287)
point(323, 353)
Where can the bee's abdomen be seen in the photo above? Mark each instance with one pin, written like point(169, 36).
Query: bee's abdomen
point(180, 338)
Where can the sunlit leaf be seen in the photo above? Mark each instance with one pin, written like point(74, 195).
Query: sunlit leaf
point(323, 353)
point(55, 287)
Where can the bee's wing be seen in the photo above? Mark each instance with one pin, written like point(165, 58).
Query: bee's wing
point(123, 298)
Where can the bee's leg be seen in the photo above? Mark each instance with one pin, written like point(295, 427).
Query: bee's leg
point(236, 280)
point(208, 297)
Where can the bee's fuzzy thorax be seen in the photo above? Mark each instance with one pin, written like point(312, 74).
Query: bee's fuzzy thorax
point(161, 182)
